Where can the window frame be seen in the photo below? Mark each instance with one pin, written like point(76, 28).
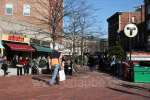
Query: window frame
point(148, 24)
point(148, 9)
point(6, 8)
point(29, 9)
point(133, 19)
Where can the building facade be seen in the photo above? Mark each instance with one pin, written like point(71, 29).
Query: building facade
point(103, 45)
point(118, 21)
point(90, 44)
point(147, 21)
point(22, 18)
point(28, 11)
point(25, 19)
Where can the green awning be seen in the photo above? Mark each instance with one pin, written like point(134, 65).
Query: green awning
point(42, 49)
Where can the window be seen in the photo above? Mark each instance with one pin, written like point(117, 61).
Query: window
point(134, 19)
point(26, 10)
point(148, 9)
point(148, 24)
point(9, 9)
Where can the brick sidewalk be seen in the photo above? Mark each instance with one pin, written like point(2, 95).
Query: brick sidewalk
point(86, 86)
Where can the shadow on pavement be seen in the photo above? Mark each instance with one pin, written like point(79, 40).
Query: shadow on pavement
point(113, 76)
point(134, 87)
point(42, 80)
point(126, 92)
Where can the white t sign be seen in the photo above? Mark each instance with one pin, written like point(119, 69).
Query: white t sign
point(130, 30)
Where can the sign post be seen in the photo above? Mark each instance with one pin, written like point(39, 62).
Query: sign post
point(130, 31)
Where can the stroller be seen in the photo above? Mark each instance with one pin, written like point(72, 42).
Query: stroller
point(35, 68)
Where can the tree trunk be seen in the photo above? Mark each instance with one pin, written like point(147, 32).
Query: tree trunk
point(73, 44)
point(54, 43)
point(82, 48)
point(73, 48)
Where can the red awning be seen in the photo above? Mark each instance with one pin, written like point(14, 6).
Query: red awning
point(20, 47)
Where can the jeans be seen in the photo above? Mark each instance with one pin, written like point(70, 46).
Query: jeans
point(19, 70)
point(26, 70)
point(86, 64)
point(55, 69)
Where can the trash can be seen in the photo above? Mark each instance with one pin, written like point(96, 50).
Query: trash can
point(141, 73)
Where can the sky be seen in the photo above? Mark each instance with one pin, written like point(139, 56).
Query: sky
point(106, 8)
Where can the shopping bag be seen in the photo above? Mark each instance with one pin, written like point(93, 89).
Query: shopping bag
point(62, 76)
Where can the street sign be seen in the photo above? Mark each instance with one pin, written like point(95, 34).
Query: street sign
point(130, 30)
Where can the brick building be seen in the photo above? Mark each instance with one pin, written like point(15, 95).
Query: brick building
point(27, 10)
point(103, 45)
point(116, 24)
point(22, 18)
point(147, 21)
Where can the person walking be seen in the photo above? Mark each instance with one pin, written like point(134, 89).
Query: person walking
point(86, 61)
point(100, 63)
point(91, 62)
point(70, 67)
point(55, 65)
point(4, 65)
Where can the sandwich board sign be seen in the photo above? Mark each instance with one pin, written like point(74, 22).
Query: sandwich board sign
point(130, 30)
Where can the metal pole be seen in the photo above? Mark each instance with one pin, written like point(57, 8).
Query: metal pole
point(130, 60)
point(130, 51)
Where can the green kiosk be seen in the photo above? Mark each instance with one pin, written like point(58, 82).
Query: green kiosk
point(142, 70)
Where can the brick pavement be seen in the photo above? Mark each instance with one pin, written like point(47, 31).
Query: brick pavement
point(86, 86)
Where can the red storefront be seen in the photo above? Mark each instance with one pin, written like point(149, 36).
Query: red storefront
point(16, 45)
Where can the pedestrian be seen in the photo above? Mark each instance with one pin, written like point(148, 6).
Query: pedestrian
point(100, 63)
point(18, 65)
point(55, 66)
point(24, 63)
point(5, 65)
point(85, 61)
point(70, 67)
point(112, 65)
point(91, 62)
point(28, 64)
point(67, 64)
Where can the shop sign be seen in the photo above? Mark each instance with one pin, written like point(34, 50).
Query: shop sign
point(15, 38)
point(139, 56)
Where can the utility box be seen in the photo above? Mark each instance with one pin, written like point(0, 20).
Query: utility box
point(141, 73)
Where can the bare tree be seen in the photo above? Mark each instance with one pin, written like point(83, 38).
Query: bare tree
point(72, 25)
point(50, 16)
